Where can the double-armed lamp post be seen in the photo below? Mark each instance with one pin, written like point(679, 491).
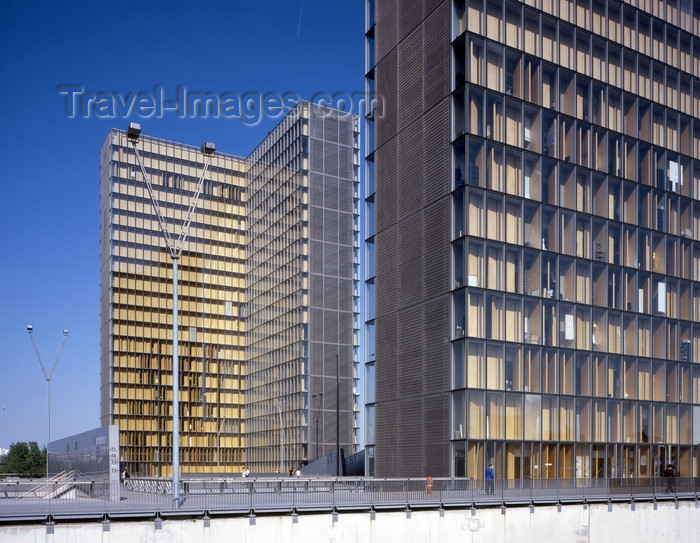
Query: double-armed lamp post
point(47, 375)
point(175, 247)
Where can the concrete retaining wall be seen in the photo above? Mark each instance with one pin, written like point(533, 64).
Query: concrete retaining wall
point(668, 522)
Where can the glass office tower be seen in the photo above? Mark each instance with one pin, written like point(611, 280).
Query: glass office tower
point(136, 306)
point(302, 283)
point(559, 182)
point(268, 299)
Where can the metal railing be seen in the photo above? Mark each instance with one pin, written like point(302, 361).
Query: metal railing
point(54, 487)
point(148, 497)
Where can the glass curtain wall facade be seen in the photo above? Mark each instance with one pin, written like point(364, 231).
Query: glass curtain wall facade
point(572, 205)
point(575, 238)
point(302, 306)
point(136, 307)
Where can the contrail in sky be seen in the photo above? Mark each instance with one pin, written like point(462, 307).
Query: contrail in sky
point(301, 13)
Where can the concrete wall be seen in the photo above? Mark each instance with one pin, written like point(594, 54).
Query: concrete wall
point(669, 523)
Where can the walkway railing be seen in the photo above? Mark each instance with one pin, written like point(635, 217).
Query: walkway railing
point(145, 497)
point(55, 487)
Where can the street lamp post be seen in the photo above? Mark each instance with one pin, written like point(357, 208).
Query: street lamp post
point(337, 415)
point(279, 412)
point(3, 412)
point(314, 396)
point(47, 376)
point(175, 248)
point(218, 445)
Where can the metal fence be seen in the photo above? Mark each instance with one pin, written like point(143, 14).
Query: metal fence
point(148, 497)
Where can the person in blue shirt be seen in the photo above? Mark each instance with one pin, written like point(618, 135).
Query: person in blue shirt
point(490, 476)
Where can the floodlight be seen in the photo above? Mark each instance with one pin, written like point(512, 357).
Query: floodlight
point(134, 131)
point(30, 327)
point(208, 148)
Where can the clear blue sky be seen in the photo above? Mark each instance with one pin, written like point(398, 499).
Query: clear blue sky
point(49, 210)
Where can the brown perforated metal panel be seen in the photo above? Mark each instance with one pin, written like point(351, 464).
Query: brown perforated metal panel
point(412, 241)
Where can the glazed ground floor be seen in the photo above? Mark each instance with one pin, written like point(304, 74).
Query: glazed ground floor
point(548, 460)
